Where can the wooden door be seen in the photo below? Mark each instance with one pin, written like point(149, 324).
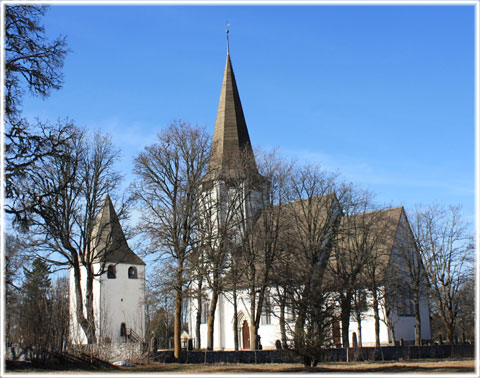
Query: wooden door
point(246, 335)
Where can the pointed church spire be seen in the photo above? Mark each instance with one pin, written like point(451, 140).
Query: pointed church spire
point(231, 142)
point(108, 238)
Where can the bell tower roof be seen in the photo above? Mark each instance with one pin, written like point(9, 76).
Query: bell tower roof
point(231, 155)
point(108, 238)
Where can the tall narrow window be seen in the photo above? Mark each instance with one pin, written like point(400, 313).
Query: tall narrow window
point(266, 317)
point(111, 272)
point(123, 329)
point(205, 308)
point(132, 272)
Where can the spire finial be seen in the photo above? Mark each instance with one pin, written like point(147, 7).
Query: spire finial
point(228, 42)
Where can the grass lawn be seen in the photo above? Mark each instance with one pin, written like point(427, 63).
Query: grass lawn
point(414, 366)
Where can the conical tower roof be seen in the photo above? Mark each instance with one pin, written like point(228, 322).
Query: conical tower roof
point(231, 155)
point(108, 238)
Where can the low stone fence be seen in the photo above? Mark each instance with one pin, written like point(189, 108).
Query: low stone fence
point(409, 352)
point(289, 356)
point(244, 356)
point(112, 352)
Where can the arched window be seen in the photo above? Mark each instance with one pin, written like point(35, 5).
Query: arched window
point(111, 272)
point(123, 330)
point(132, 272)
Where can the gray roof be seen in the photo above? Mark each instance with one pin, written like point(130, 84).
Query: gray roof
point(231, 154)
point(109, 240)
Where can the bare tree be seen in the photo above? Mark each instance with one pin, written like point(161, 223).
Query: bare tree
point(229, 206)
point(15, 259)
point(466, 309)
point(63, 221)
point(59, 314)
point(447, 252)
point(407, 279)
point(262, 243)
point(378, 235)
point(312, 216)
point(351, 251)
point(168, 189)
point(159, 309)
point(220, 234)
point(32, 63)
point(197, 290)
point(35, 313)
point(359, 306)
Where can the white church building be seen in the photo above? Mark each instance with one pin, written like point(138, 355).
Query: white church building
point(118, 287)
point(230, 140)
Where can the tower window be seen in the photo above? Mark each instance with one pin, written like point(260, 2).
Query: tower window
point(132, 272)
point(111, 272)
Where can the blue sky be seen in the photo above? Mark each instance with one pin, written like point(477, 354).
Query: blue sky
point(384, 94)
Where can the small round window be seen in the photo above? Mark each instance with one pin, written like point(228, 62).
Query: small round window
point(132, 272)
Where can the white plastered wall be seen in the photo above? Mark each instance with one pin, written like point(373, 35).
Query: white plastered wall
point(223, 336)
point(116, 301)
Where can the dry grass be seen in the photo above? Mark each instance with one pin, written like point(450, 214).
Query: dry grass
point(415, 366)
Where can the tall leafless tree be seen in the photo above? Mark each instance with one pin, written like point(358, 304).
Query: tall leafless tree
point(33, 64)
point(168, 191)
point(377, 236)
point(407, 279)
point(312, 215)
point(447, 252)
point(63, 221)
point(350, 251)
point(262, 243)
point(220, 234)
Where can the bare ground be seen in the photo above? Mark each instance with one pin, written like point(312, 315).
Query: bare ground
point(415, 366)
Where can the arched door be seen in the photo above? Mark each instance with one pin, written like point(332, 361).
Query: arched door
point(246, 335)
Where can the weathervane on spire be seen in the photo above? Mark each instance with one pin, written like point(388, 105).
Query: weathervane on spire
point(228, 43)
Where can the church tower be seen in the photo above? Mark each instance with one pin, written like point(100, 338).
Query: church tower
point(232, 199)
point(118, 287)
point(232, 171)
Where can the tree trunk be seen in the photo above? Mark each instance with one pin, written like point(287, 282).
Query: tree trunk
point(211, 320)
point(299, 336)
point(450, 331)
point(392, 331)
point(198, 318)
point(346, 305)
point(91, 335)
point(283, 331)
point(418, 325)
point(79, 303)
point(253, 325)
point(377, 320)
point(359, 328)
point(177, 327)
point(235, 319)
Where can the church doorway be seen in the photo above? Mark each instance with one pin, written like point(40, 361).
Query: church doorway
point(245, 335)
